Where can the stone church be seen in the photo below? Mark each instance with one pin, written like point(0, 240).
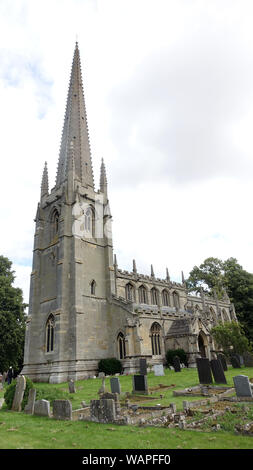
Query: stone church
point(82, 307)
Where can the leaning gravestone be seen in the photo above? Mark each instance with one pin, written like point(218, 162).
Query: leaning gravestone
point(19, 393)
point(248, 359)
point(143, 366)
point(218, 372)
point(103, 410)
point(62, 409)
point(42, 408)
point(140, 384)
point(204, 370)
point(176, 364)
point(223, 361)
point(158, 369)
point(72, 388)
point(242, 386)
point(235, 361)
point(29, 408)
point(115, 385)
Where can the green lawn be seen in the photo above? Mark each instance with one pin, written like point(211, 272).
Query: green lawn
point(19, 431)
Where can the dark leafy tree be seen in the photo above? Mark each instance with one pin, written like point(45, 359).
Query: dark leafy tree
point(12, 319)
point(217, 277)
point(231, 338)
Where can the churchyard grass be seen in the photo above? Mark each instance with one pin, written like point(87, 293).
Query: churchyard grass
point(18, 430)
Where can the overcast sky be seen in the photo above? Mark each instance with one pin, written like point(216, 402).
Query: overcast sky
point(169, 97)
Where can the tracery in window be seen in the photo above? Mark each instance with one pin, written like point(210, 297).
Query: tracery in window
point(155, 333)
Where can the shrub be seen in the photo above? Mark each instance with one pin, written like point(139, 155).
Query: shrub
point(110, 366)
point(52, 394)
point(171, 353)
point(10, 392)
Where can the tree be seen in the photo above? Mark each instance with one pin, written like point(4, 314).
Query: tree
point(230, 337)
point(12, 319)
point(217, 277)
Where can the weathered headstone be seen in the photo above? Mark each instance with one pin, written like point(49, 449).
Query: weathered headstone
point(19, 393)
point(72, 388)
point(204, 370)
point(113, 396)
point(158, 369)
point(140, 384)
point(176, 364)
point(29, 408)
point(235, 361)
point(103, 410)
point(218, 372)
point(102, 388)
point(242, 386)
point(101, 375)
point(223, 361)
point(115, 385)
point(248, 359)
point(42, 408)
point(62, 409)
point(143, 366)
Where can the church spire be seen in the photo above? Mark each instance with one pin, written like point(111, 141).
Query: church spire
point(44, 182)
point(103, 179)
point(75, 129)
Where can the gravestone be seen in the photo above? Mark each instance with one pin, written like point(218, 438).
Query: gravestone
point(29, 408)
point(223, 361)
point(103, 411)
point(115, 385)
point(4, 377)
point(42, 408)
point(101, 375)
point(235, 361)
point(158, 369)
point(204, 370)
point(218, 372)
point(242, 386)
point(102, 388)
point(72, 388)
point(62, 409)
point(248, 359)
point(143, 367)
point(176, 364)
point(140, 384)
point(19, 393)
point(115, 397)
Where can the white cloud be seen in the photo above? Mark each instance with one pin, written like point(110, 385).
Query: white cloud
point(169, 96)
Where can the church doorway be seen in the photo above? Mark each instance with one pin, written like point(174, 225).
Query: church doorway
point(201, 345)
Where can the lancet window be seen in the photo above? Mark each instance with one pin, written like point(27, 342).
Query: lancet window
point(155, 334)
point(121, 346)
point(50, 330)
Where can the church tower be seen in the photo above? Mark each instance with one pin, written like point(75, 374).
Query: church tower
point(82, 307)
point(72, 279)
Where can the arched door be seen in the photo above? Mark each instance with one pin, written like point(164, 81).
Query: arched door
point(201, 345)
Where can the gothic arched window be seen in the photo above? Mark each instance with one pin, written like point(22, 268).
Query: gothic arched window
point(212, 313)
point(165, 298)
point(176, 299)
point(225, 315)
point(154, 296)
point(155, 333)
point(54, 223)
point(143, 296)
point(129, 291)
point(50, 326)
point(121, 346)
point(89, 222)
